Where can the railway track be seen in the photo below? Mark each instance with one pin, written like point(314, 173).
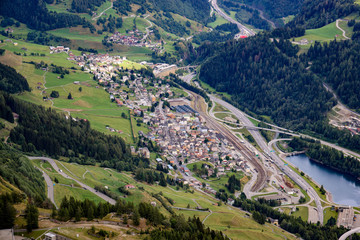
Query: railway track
point(262, 175)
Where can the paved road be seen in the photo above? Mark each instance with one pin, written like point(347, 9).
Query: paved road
point(54, 165)
point(243, 30)
point(50, 187)
point(349, 233)
point(269, 151)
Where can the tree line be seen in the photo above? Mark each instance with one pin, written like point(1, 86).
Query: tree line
point(11, 81)
point(268, 78)
point(318, 13)
point(45, 130)
point(327, 156)
point(36, 16)
point(295, 225)
point(336, 63)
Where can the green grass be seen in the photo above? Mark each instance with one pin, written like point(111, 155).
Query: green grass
point(219, 108)
point(198, 164)
point(224, 115)
point(77, 33)
point(303, 213)
point(323, 34)
point(60, 191)
point(348, 30)
point(262, 195)
point(328, 213)
point(222, 216)
point(34, 234)
point(312, 184)
point(288, 19)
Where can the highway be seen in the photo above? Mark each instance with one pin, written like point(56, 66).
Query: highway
point(50, 187)
point(277, 160)
point(243, 30)
point(54, 165)
point(349, 233)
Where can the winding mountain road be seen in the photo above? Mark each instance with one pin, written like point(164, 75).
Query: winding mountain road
point(84, 186)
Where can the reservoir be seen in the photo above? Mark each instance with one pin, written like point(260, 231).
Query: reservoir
point(344, 189)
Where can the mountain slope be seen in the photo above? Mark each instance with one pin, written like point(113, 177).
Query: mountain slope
point(267, 78)
point(318, 13)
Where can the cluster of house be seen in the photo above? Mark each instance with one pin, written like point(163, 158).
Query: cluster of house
point(183, 136)
point(59, 49)
point(134, 38)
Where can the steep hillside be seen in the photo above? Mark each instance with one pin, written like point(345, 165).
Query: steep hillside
point(198, 10)
point(318, 13)
point(267, 78)
point(35, 14)
point(11, 81)
point(337, 62)
point(18, 171)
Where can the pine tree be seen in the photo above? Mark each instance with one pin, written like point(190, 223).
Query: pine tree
point(78, 214)
point(32, 215)
point(136, 218)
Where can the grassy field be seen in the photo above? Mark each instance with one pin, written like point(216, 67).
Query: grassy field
point(233, 222)
point(224, 115)
point(219, 20)
point(323, 34)
point(219, 108)
point(65, 187)
point(303, 212)
point(91, 103)
point(348, 30)
point(78, 33)
point(328, 213)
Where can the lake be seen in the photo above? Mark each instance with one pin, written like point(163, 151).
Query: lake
point(344, 189)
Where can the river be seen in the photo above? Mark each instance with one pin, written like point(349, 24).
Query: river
point(344, 189)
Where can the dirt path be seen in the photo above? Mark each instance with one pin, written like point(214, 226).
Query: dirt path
point(94, 18)
point(342, 30)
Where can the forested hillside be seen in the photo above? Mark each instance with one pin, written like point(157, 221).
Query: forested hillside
point(328, 156)
point(277, 9)
point(84, 6)
point(35, 15)
point(11, 81)
point(198, 10)
point(267, 77)
point(274, 10)
point(17, 170)
point(45, 130)
point(338, 63)
point(318, 13)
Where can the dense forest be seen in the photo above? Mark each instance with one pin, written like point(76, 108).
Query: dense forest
point(85, 6)
point(168, 23)
point(328, 156)
point(36, 16)
point(198, 10)
point(221, 33)
point(267, 77)
point(11, 81)
point(337, 63)
point(318, 13)
point(273, 10)
point(41, 129)
point(17, 170)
